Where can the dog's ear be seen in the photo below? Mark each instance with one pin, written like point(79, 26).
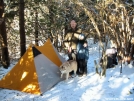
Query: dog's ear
point(62, 67)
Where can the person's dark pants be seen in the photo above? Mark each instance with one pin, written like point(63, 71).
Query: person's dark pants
point(82, 66)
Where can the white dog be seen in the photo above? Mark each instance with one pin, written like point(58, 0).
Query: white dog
point(67, 67)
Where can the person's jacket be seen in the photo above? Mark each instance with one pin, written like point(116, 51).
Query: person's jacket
point(71, 38)
point(82, 52)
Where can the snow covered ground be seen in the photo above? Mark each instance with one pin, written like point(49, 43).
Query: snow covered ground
point(114, 87)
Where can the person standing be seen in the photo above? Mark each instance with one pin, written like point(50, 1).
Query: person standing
point(72, 36)
point(82, 57)
point(74, 39)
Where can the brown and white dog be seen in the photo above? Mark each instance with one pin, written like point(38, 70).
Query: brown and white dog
point(67, 67)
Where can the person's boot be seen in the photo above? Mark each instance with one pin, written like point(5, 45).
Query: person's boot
point(85, 71)
point(80, 74)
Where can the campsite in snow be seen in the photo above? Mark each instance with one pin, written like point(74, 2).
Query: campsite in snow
point(115, 86)
point(66, 50)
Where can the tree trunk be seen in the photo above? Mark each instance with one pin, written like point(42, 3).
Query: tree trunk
point(132, 52)
point(36, 28)
point(96, 67)
point(22, 29)
point(3, 34)
point(128, 48)
point(104, 65)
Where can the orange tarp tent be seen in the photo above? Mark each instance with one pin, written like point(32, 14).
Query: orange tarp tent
point(36, 72)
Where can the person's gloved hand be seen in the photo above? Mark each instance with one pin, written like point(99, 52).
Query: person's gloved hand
point(81, 37)
point(69, 49)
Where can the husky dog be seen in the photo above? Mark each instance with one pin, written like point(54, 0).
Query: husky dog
point(67, 67)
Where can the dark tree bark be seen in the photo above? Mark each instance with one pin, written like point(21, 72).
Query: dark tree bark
point(104, 63)
point(22, 29)
point(36, 28)
point(5, 55)
point(51, 19)
point(132, 52)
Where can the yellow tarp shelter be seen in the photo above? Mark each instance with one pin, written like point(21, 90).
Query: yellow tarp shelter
point(36, 72)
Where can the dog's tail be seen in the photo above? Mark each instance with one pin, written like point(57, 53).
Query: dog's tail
point(74, 56)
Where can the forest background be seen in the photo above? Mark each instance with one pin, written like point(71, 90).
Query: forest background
point(23, 22)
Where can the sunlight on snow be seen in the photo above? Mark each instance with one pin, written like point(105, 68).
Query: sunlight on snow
point(24, 75)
